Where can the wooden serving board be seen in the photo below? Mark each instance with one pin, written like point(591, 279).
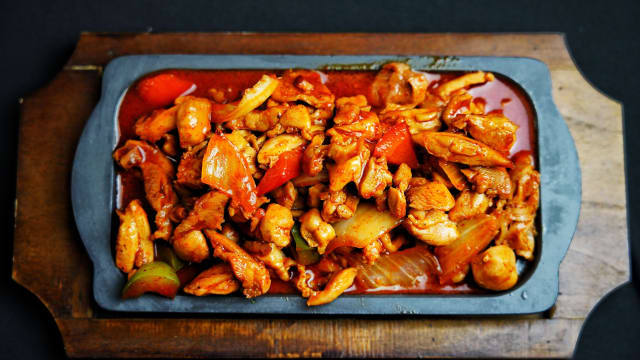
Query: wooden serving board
point(51, 262)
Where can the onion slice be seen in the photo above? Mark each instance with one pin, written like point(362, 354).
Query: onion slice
point(406, 268)
point(251, 99)
point(364, 227)
point(475, 235)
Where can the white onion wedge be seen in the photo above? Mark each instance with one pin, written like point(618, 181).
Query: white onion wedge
point(365, 226)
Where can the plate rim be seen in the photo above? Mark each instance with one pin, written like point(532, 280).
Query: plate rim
point(93, 173)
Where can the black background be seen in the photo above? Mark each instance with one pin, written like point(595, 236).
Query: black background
point(37, 37)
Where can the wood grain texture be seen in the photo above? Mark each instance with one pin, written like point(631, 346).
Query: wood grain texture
point(50, 261)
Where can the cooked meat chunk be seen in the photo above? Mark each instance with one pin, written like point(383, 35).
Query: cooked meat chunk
point(418, 120)
point(462, 82)
point(298, 117)
point(494, 130)
point(314, 195)
point(371, 252)
point(157, 172)
point(459, 148)
point(517, 218)
point(338, 205)
point(253, 275)
point(460, 103)
point(133, 244)
point(239, 139)
point(156, 125)
point(495, 268)
point(258, 120)
point(314, 156)
point(315, 231)
point(286, 195)
point(338, 283)
point(397, 87)
point(274, 147)
point(433, 227)
point(452, 173)
point(519, 236)
point(468, 205)
point(275, 226)
point(217, 280)
point(193, 120)
point(170, 145)
point(350, 155)
point(271, 256)
point(207, 213)
point(302, 281)
point(402, 177)
point(306, 86)
point(191, 246)
point(190, 167)
point(375, 179)
point(397, 203)
point(489, 180)
point(431, 195)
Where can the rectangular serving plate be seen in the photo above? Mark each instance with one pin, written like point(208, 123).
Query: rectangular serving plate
point(93, 187)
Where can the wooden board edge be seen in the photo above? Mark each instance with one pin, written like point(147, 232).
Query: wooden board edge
point(286, 338)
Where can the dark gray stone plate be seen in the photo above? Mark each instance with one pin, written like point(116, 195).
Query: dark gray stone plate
point(93, 186)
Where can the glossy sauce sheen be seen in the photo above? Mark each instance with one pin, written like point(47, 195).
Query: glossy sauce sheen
point(500, 95)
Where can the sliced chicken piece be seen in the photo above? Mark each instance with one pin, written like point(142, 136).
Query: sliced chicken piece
point(338, 283)
point(193, 120)
point(495, 268)
point(157, 172)
point(432, 195)
point(489, 180)
point(306, 86)
point(217, 280)
point(286, 195)
point(460, 149)
point(154, 126)
point(433, 227)
point(271, 256)
point(397, 87)
point(418, 120)
point(468, 205)
point(314, 156)
point(252, 273)
point(133, 244)
point(459, 104)
point(497, 131)
point(191, 246)
point(463, 82)
point(350, 154)
point(274, 147)
point(316, 231)
point(301, 281)
point(338, 205)
point(258, 120)
point(375, 179)
point(207, 213)
point(190, 167)
point(275, 226)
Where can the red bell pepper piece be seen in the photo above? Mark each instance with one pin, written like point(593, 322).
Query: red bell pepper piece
point(223, 168)
point(285, 168)
point(163, 89)
point(396, 145)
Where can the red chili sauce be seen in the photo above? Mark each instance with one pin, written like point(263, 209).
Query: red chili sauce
point(499, 96)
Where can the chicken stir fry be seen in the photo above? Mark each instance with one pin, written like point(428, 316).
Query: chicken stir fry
point(287, 181)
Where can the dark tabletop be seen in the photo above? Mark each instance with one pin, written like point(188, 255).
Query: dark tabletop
point(37, 37)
